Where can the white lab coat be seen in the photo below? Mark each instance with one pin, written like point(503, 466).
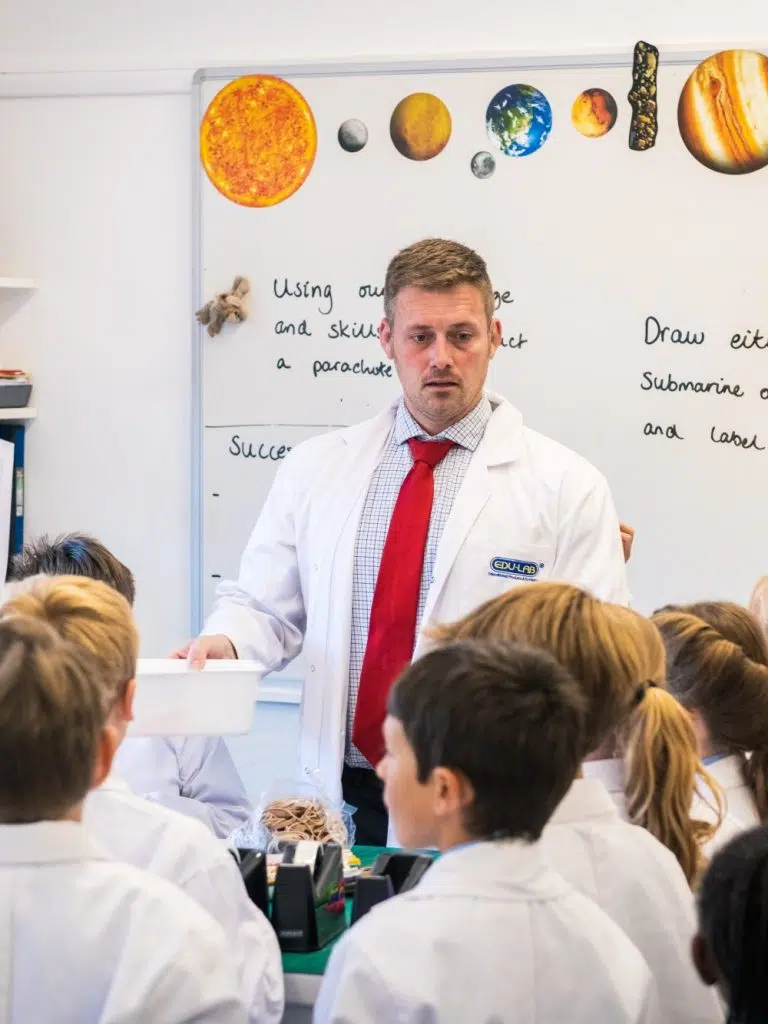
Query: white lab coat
point(611, 773)
point(638, 882)
point(86, 939)
point(524, 497)
point(490, 934)
point(194, 775)
point(184, 852)
point(740, 812)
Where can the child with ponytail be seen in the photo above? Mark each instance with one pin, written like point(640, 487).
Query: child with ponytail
point(636, 733)
point(718, 669)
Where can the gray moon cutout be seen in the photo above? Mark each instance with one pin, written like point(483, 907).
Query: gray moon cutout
point(353, 135)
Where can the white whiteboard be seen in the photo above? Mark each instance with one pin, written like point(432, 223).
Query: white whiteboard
point(587, 238)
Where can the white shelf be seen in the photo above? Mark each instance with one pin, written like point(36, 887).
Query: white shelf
point(18, 414)
point(18, 284)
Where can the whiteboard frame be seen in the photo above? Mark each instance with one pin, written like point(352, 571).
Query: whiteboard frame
point(669, 56)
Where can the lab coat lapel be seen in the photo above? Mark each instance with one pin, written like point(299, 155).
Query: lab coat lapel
point(501, 443)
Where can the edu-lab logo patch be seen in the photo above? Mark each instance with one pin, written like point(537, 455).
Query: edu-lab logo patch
point(515, 568)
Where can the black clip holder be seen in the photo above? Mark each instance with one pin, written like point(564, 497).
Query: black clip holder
point(308, 910)
point(253, 868)
point(391, 873)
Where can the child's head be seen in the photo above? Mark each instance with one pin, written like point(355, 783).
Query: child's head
point(731, 948)
point(732, 621)
point(482, 741)
point(73, 554)
point(94, 616)
point(54, 746)
point(617, 657)
point(610, 655)
point(724, 689)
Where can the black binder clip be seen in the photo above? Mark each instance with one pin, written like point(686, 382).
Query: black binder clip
point(308, 906)
point(392, 873)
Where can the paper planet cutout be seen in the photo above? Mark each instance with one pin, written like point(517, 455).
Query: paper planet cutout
point(353, 135)
point(420, 126)
point(723, 112)
point(483, 164)
point(594, 113)
point(519, 120)
point(258, 140)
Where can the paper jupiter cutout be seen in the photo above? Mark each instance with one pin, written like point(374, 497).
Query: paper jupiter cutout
point(258, 140)
point(723, 112)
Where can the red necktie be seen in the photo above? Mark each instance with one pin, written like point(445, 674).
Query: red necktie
point(392, 628)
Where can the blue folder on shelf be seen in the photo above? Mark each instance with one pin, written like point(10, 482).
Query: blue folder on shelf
point(14, 433)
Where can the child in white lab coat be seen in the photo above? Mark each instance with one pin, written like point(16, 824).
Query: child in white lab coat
point(482, 742)
point(97, 618)
point(191, 774)
point(615, 654)
point(84, 938)
point(718, 669)
point(731, 948)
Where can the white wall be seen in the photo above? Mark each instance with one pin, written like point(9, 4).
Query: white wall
point(66, 34)
point(95, 202)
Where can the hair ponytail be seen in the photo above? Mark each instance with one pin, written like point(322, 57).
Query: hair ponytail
point(661, 771)
point(709, 672)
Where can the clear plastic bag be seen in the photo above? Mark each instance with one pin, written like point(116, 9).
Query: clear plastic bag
point(291, 810)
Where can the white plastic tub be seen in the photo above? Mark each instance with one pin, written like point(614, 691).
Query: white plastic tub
point(173, 699)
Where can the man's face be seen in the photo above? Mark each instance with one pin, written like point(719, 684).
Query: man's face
point(441, 344)
point(410, 803)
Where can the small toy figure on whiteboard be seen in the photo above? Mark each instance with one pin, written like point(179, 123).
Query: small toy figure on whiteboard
point(227, 308)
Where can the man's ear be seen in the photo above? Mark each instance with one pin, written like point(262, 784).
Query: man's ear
point(385, 338)
point(105, 753)
point(495, 336)
point(703, 960)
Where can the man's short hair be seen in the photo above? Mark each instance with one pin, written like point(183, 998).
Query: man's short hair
point(73, 554)
point(436, 265)
point(508, 718)
point(51, 716)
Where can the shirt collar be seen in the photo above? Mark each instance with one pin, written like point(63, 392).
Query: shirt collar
point(586, 800)
point(468, 432)
point(609, 771)
point(114, 784)
point(728, 771)
point(484, 867)
point(47, 842)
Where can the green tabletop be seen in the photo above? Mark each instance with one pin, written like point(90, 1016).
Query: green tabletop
point(315, 963)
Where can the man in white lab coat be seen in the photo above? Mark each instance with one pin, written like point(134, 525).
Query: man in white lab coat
point(436, 504)
point(94, 616)
point(84, 938)
point(482, 741)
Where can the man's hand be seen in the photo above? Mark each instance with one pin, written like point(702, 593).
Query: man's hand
point(198, 651)
point(627, 537)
